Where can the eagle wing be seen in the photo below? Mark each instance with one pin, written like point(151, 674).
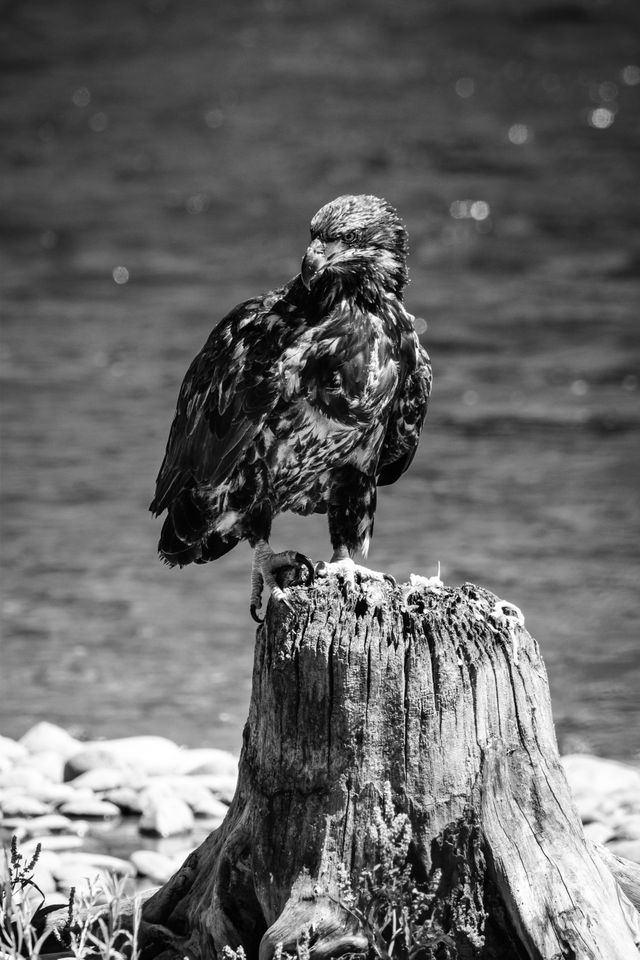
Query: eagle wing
point(226, 396)
point(334, 373)
point(407, 415)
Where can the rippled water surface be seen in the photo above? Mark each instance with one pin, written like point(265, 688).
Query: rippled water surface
point(161, 162)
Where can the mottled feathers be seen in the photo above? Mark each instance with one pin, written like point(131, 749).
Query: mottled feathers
point(296, 396)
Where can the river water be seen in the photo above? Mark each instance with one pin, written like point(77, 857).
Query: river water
point(161, 163)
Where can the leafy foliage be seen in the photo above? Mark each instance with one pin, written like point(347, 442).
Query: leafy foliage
point(303, 950)
point(93, 926)
point(20, 871)
point(19, 935)
point(393, 910)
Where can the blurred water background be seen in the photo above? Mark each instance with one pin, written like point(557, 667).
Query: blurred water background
point(160, 162)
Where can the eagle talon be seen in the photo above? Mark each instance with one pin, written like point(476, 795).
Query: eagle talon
point(305, 562)
point(350, 573)
point(254, 615)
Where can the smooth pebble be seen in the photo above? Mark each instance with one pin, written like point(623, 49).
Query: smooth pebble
point(89, 808)
point(44, 737)
point(629, 849)
point(156, 866)
point(595, 777)
point(165, 815)
point(11, 750)
point(101, 862)
point(208, 760)
point(49, 763)
point(199, 798)
point(100, 779)
point(126, 799)
point(598, 832)
point(22, 805)
point(26, 778)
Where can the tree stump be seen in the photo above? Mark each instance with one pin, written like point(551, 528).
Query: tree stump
point(442, 694)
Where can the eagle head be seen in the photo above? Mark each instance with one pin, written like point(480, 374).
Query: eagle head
point(358, 244)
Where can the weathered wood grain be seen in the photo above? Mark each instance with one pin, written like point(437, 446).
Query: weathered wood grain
point(443, 694)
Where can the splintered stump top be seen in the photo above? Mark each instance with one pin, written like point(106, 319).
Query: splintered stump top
point(440, 693)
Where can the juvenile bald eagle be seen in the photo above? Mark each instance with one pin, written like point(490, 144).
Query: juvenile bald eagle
point(304, 399)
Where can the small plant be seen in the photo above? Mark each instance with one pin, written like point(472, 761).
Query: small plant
point(392, 909)
point(20, 871)
point(19, 935)
point(303, 951)
point(100, 929)
point(303, 948)
point(228, 953)
point(98, 925)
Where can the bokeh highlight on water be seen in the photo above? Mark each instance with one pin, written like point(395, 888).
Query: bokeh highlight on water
point(161, 162)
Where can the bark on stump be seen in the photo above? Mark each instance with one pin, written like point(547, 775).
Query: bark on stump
point(441, 693)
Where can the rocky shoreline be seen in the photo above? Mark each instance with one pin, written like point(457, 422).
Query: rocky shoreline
point(132, 807)
point(136, 806)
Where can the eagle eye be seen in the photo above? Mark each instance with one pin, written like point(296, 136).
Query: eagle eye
point(351, 237)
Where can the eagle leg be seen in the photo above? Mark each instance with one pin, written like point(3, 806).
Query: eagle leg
point(351, 509)
point(344, 567)
point(265, 565)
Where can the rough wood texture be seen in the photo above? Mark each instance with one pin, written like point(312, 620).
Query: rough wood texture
point(442, 693)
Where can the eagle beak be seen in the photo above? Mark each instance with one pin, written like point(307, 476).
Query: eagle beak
point(313, 261)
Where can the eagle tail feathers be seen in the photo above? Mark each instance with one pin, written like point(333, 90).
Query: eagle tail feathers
point(186, 536)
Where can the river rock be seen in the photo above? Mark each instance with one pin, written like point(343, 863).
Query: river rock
point(89, 808)
point(50, 823)
point(100, 779)
point(23, 778)
point(590, 811)
point(126, 799)
point(12, 827)
point(53, 842)
point(629, 829)
point(61, 901)
point(48, 763)
point(43, 877)
point(99, 862)
point(208, 760)
point(599, 832)
point(152, 756)
point(12, 750)
point(201, 801)
point(629, 849)
point(627, 803)
point(91, 875)
point(221, 785)
point(46, 858)
point(44, 737)
point(164, 814)
point(604, 809)
point(148, 756)
point(153, 865)
point(597, 778)
point(91, 758)
point(21, 805)
point(89, 884)
point(180, 853)
point(56, 793)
